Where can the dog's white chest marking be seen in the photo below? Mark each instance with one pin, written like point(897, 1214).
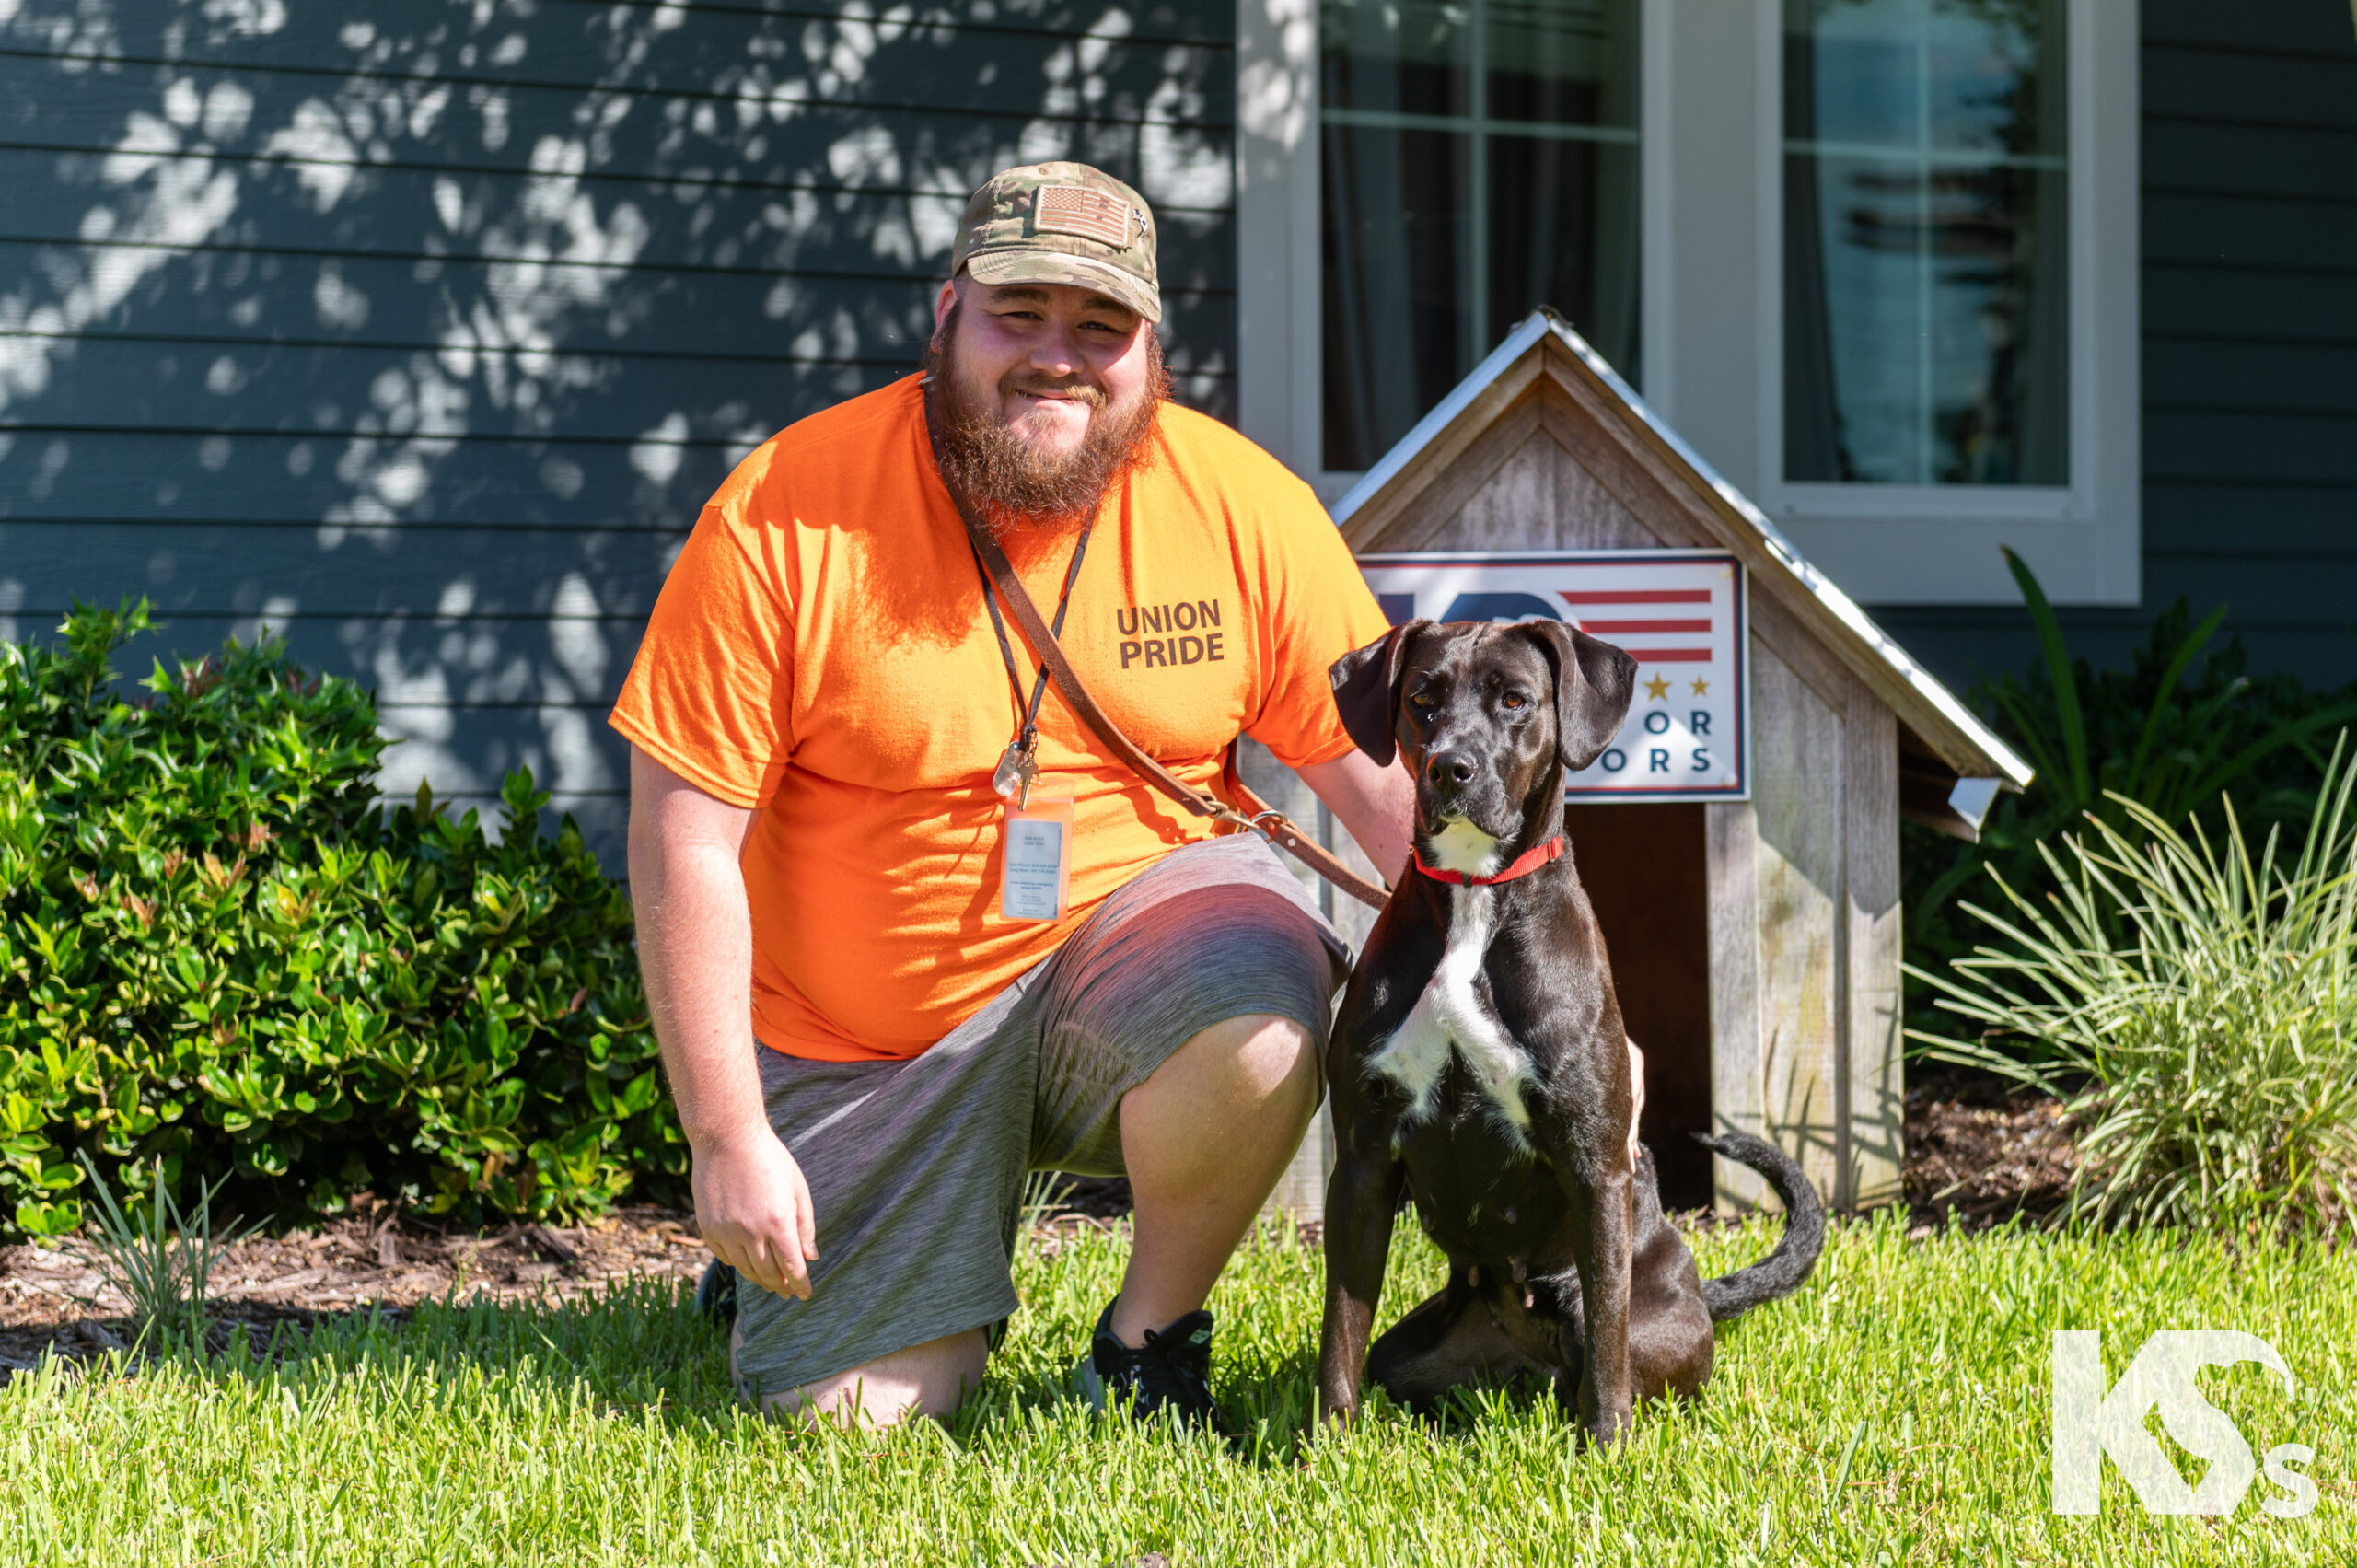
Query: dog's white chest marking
point(1450, 1016)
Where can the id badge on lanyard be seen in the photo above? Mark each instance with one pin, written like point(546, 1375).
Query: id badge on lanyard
point(1037, 881)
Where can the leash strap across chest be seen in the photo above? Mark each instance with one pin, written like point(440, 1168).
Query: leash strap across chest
point(1278, 829)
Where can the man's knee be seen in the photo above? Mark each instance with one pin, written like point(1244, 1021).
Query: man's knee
point(1636, 1096)
point(1253, 1057)
point(1272, 1052)
point(930, 1379)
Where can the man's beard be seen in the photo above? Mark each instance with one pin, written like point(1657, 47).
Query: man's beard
point(1011, 485)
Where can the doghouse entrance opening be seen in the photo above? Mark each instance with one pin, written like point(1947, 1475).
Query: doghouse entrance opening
point(1643, 867)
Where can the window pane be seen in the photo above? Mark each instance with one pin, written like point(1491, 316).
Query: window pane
point(1925, 234)
point(1850, 72)
point(1397, 268)
point(1480, 158)
point(1561, 64)
point(1948, 73)
point(1409, 58)
point(1563, 232)
point(1994, 77)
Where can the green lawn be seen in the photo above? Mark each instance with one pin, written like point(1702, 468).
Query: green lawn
point(1895, 1411)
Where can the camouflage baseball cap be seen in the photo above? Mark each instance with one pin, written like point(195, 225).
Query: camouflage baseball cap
point(1062, 223)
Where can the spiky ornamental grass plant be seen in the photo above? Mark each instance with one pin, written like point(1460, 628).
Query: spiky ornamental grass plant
point(2194, 1008)
point(162, 1260)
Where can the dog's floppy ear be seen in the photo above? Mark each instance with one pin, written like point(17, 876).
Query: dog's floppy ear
point(1366, 690)
point(1595, 683)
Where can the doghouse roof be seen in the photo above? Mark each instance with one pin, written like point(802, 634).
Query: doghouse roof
point(1545, 345)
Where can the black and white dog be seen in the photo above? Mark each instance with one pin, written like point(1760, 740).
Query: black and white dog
point(1479, 1064)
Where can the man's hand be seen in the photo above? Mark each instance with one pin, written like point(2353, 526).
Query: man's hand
point(755, 1212)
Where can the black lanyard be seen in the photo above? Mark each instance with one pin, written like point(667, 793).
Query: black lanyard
point(1026, 744)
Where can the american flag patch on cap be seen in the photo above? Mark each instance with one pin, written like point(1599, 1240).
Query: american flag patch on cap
point(1092, 214)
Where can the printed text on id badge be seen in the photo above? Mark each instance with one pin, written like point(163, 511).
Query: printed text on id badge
point(1037, 880)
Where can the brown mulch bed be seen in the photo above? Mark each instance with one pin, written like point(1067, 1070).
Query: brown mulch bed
point(55, 1296)
point(1983, 1150)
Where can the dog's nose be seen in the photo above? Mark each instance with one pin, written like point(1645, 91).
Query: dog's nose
point(1449, 769)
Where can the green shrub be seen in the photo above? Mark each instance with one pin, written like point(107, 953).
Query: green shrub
point(2194, 1009)
point(217, 950)
point(2183, 732)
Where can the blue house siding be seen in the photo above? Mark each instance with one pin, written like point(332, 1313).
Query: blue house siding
point(421, 340)
point(2249, 349)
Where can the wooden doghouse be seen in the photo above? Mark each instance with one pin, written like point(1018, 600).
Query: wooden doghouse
point(1754, 943)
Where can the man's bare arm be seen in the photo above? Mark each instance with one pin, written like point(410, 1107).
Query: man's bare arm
point(1376, 803)
point(695, 948)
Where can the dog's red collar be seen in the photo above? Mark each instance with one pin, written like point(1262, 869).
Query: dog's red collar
point(1525, 864)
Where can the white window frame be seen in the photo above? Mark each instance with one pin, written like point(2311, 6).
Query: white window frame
point(1711, 103)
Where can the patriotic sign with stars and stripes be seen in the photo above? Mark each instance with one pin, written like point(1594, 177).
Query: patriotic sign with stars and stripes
point(1679, 612)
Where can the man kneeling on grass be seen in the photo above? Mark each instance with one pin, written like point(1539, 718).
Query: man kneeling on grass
point(871, 1034)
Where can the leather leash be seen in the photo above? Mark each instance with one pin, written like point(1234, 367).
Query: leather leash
point(1256, 814)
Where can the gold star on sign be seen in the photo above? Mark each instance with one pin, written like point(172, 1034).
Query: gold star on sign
point(1658, 687)
point(1702, 687)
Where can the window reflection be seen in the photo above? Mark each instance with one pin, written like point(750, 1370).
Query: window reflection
point(1925, 261)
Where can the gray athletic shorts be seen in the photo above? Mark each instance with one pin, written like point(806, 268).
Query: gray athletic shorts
point(917, 1167)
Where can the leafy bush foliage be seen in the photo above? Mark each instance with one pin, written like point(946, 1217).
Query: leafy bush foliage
point(2195, 1008)
point(2183, 733)
point(216, 951)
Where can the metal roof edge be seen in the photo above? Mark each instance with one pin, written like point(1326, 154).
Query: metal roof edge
point(1518, 343)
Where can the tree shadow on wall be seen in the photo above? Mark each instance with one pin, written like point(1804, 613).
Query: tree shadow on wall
point(422, 340)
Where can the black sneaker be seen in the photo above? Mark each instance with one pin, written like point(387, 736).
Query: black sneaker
point(1172, 1371)
point(717, 1293)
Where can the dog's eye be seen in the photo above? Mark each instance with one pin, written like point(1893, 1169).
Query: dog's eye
point(1422, 699)
point(1514, 700)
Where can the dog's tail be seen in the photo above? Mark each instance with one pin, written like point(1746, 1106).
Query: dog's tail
point(1781, 1272)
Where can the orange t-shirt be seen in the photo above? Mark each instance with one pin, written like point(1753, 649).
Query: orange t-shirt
point(821, 652)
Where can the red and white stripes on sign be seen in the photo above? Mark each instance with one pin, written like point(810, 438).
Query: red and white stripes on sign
point(1619, 630)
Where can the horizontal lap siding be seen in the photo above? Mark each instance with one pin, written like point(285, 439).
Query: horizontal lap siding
point(421, 340)
point(2249, 282)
